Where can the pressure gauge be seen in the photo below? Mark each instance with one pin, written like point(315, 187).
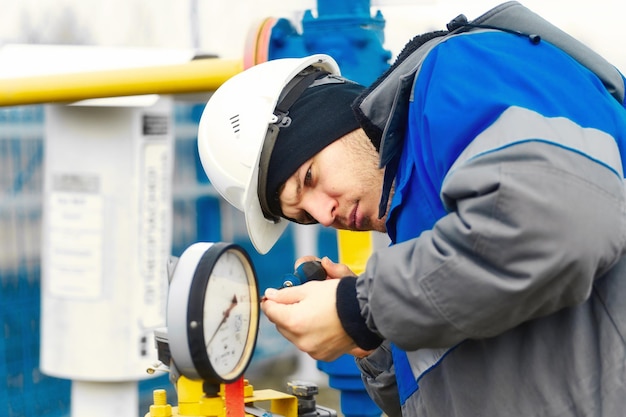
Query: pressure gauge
point(213, 312)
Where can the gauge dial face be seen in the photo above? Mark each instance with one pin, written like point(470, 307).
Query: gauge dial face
point(213, 312)
point(230, 309)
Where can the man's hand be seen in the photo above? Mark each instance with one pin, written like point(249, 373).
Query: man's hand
point(306, 315)
point(333, 270)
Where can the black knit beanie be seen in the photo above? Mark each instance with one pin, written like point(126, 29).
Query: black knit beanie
point(320, 116)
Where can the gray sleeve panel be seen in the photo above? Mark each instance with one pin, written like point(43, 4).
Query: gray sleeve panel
point(531, 226)
point(379, 379)
point(512, 15)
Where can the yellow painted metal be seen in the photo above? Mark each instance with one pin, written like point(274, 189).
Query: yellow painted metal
point(201, 75)
point(280, 403)
point(160, 408)
point(189, 395)
point(354, 249)
point(193, 403)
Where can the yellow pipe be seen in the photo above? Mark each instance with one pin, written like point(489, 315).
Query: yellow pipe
point(354, 249)
point(199, 75)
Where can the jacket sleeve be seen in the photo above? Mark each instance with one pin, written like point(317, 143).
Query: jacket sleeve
point(529, 229)
point(379, 379)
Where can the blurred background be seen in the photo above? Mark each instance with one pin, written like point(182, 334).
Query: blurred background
point(215, 27)
point(221, 27)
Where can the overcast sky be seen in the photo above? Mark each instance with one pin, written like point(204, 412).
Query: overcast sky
point(221, 26)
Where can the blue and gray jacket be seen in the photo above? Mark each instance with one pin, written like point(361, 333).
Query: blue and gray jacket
point(503, 290)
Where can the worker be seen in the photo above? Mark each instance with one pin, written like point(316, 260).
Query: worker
point(491, 154)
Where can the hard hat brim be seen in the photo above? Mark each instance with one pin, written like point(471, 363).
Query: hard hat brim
point(263, 233)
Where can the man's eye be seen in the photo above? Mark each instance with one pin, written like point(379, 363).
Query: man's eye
point(308, 177)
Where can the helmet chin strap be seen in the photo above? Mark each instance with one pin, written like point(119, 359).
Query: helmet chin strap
point(264, 162)
point(292, 91)
point(309, 77)
point(294, 88)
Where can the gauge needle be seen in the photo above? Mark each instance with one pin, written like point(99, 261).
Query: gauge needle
point(226, 313)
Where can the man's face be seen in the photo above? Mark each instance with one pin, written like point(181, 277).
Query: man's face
point(339, 187)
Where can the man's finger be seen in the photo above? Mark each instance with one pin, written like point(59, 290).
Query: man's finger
point(289, 295)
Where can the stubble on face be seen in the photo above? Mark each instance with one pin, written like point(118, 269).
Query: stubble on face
point(345, 171)
point(368, 177)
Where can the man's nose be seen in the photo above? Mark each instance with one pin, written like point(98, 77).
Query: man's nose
point(322, 208)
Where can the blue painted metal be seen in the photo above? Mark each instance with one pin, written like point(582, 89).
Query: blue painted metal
point(343, 29)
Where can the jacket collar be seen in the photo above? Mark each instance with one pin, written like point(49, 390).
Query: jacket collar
point(382, 110)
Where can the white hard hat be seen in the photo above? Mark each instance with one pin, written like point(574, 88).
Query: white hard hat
point(232, 131)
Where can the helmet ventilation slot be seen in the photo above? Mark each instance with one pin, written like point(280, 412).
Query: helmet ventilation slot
point(234, 123)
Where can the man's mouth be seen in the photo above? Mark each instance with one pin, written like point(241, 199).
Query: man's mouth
point(353, 217)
